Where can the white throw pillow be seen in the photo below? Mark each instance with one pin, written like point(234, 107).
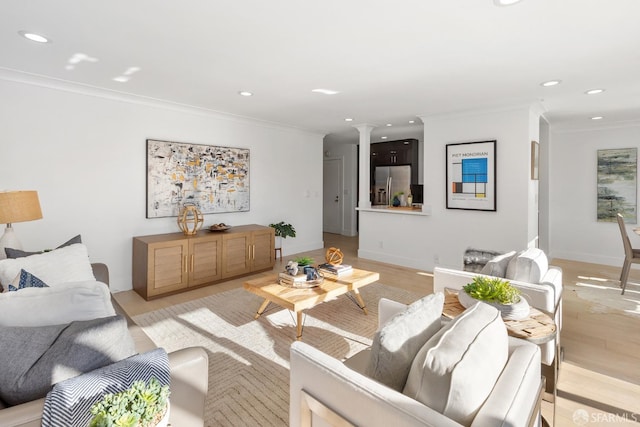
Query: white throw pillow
point(513, 265)
point(528, 266)
point(455, 371)
point(395, 345)
point(497, 266)
point(68, 264)
point(56, 305)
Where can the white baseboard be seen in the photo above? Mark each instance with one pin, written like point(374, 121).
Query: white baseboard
point(419, 264)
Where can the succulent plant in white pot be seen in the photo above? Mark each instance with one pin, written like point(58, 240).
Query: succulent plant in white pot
point(498, 293)
point(144, 404)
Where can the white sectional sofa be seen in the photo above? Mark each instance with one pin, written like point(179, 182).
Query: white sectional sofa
point(449, 370)
point(188, 367)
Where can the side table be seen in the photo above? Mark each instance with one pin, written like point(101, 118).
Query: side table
point(537, 328)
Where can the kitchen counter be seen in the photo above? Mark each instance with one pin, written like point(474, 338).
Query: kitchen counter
point(402, 210)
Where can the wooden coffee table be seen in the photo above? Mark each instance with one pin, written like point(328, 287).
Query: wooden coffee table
point(298, 300)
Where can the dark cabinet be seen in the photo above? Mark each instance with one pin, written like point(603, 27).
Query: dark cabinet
point(392, 153)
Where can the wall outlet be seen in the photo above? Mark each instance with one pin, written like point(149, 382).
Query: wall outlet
point(436, 259)
point(380, 244)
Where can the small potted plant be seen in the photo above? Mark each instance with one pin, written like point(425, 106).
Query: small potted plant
point(304, 261)
point(496, 292)
point(141, 405)
point(282, 231)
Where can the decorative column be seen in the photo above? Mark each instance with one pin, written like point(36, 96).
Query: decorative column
point(364, 176)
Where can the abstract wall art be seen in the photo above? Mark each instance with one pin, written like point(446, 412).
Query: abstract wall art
point(215, 179)
point(535, 160)
point(617, 184)
point(471, 176)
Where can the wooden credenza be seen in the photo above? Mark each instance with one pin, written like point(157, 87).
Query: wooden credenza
point(169, 263)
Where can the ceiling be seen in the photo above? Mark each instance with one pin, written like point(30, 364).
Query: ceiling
point(390, 61)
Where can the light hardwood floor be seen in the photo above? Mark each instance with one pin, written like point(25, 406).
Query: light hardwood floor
point(600, 373)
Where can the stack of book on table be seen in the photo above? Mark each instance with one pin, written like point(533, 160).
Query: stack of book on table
point(298, 281)
point(289, 280)
point(335, 269)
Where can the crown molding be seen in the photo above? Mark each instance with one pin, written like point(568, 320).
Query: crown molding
point(457, 114)
point(31, 79)
point(572, 127)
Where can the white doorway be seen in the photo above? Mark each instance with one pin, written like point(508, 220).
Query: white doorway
point(332, 200)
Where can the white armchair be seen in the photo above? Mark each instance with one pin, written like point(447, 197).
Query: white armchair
point(326, 391)
point(541, 285)
point(543, 293)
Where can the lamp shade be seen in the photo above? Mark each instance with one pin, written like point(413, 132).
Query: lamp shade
point(19, 206)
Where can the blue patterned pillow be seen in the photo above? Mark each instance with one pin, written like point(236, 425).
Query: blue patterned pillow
point(27, 280)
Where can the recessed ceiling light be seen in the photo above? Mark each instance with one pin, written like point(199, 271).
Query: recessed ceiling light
point(383, 137)
point(131, 70)
point(245, 93)
point(594, 91)
point(389, 124)
point(597, 118)
point(505, 2)
point(348, 119)
point(412, 121)
point(34, 37)
point(550, 83)
point(325, 91)
point(126, 76)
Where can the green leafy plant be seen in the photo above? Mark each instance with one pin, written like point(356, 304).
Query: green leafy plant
point(304, 260)
point(283, 230)
point(492, 289)
point(141, 405)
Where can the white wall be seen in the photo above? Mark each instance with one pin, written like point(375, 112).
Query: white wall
point(442, 237)
point(83, 150)
point(575, 232)
point(543, 187)
point(532, 229)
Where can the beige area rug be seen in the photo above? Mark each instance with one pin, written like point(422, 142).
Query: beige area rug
point(249, 359)
point(604, 296)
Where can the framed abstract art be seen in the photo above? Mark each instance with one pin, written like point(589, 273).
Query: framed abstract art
point(617, 184)
point(214, 178)
point(471, 176)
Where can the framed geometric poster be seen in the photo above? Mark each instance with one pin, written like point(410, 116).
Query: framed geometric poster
point(471, 176)
point(215, 179)
point(617, 184)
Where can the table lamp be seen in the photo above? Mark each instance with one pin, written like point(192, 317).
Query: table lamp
point(16, 206)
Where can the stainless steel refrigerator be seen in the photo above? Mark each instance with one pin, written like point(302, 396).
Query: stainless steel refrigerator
point(390, 180)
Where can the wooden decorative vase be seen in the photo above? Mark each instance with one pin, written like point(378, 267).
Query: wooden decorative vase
point(190, 219)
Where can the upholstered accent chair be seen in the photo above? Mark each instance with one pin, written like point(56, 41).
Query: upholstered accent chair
point(420, 371)
point(631, 255)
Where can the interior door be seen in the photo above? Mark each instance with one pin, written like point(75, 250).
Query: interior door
point(332, 196)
